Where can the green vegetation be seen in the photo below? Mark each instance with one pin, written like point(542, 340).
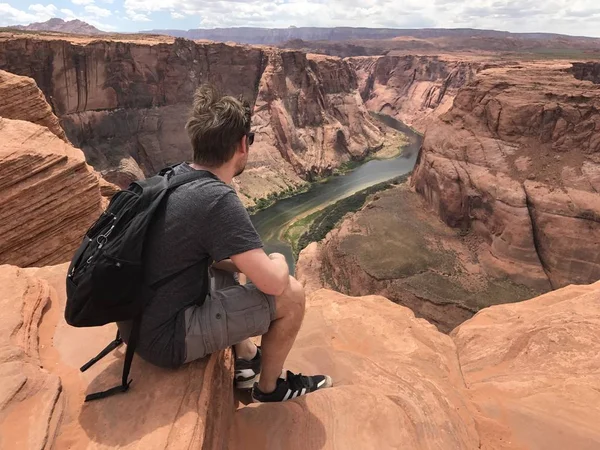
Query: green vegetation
point(316, 226)
point(290, 191)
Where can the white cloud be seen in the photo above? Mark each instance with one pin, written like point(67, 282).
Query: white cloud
point(176, 15)
point(560, 16)
point(10, 15)
point(136, 16)
point(96, 11)
point(82, 2)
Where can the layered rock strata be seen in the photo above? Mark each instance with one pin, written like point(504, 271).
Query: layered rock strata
point(125, 105)
point(413, 89)
point(517, 160)
point(49, 196)
point(21, 99)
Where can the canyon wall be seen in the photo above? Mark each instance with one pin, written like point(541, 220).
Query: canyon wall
point(125, 105)
point(413, 89)
point(517, 161)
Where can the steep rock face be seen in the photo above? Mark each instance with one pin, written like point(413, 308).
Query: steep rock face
point(21, 99)
point(49, 196)
point(587, 71)
point(125, 105)
point(413, 89)
point(396, 248)
point(164, 409)
point(517, 160)
point(533, 366)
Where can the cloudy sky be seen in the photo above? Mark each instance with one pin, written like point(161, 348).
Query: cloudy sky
point(576, 17)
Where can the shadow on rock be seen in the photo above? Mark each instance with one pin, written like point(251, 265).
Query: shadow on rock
point(187, 407)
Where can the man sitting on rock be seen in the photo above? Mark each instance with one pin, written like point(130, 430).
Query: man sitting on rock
point(204, 222)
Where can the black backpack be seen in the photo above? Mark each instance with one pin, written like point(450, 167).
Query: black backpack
point(105, 281)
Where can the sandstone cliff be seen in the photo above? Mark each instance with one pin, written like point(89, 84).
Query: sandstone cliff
point(517, 161)
point(21, 99)
point(413, 89)
point(125, 104)
point(49, 196)
point(514, 377)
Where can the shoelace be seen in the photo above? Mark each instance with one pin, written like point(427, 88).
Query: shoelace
point(298, 381)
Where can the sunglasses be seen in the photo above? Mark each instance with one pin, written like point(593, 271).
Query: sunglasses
point(250, 138)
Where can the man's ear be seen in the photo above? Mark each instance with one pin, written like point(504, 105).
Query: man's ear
point(243, 144)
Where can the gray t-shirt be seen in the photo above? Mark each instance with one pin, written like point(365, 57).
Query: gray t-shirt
point(200, 222)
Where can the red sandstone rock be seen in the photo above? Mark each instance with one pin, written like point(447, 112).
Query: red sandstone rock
point(164, 409)
point(397, 384)
point(21, 99)
point(533, 367)
point(127, 102)
point(517, 160)
point(515, 376)
point(49, 196)
point(414, 89)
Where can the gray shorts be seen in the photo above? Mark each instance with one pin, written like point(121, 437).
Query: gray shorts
point(230, 314)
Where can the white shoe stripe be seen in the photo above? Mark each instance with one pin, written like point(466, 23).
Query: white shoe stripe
point(321, 383)
point(295, 394)
point(287, 395)
point(244, 373)
point(303, 391)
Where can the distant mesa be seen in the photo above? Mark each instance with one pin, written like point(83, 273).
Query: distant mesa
point(61, 26)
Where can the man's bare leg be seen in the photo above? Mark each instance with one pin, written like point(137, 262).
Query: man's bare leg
point(278, 341)
point(245, 350)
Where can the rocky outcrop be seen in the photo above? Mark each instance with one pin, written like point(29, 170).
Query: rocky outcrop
point(396, 248)
point(397, 384)
point(589, 71)
point(49, 196)
point(513, 377)
point(21, 99)
point(532, 368)
point(517, 160)
point(125, 105)
point(413, 89)
point(29, 394)
point(42, 389)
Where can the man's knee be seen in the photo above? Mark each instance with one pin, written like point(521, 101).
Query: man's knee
point(292, 300)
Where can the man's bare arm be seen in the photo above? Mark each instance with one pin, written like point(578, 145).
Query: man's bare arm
point(270, 274)
point(226, 265)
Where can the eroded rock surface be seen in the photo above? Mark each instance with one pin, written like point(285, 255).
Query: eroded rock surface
point(125, 105)
point(516, 376)
point(533, 367)
point(397, 384)
point(413, 89)
point(42, 394)
point(49, 196)
point(517, 160)
point(21, 99)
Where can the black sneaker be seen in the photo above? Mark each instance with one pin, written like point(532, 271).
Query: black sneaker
point(247, 372)
point(293, 386)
